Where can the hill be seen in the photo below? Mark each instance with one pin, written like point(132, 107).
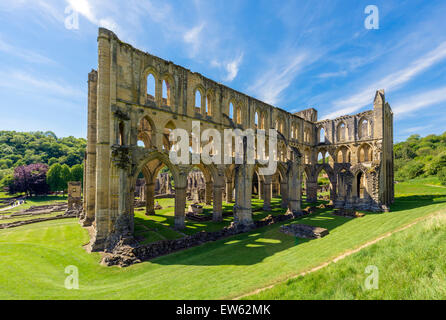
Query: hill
point(421, 157)
point(23, 148)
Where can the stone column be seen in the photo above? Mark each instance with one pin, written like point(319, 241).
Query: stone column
point(149, 190)
point(217, 213)
point(180, 197)
point(229, 190)
point(180, 205)
point(284, 193)
point(267, 188)
point(102, 196)
point(90, 163)
point(208, 193)
point(311, 191)
point(243, 194)
point(260, 189)
point(294, 185)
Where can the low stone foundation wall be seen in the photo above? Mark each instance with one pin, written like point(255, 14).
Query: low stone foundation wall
point(25, 222)
point(128, 251)
point(304, 231)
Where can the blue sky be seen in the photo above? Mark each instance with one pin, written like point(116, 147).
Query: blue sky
point(292, 54)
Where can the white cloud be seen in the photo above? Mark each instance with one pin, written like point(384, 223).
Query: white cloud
point(233, 67)
point(271, 84)
point(419, 101)
point(391, 82)
point(23, 54)
point(86, 9)
point(192, 37)
point(332, 74)
point(23, 81)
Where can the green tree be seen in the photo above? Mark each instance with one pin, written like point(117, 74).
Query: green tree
point(54, 178)
point(77, 172)
point(65, 175)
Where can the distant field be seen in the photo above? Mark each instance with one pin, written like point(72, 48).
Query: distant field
point(34, 257)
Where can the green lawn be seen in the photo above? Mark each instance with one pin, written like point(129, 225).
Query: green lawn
point(411, 264)
point(160, 226)
point(36, 201)
point(34, 257)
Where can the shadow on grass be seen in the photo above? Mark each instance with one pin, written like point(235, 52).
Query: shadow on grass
point(257, 245)
point(416, 201)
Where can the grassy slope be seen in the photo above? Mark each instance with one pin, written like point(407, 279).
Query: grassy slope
point(34, 256)
point(411, 264)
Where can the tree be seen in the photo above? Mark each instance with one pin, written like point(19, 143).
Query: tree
point(30, 179)
point(54, 178)
point(77, 172)
point(65, 175)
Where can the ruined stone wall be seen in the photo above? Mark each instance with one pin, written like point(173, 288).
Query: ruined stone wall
point(128, 130)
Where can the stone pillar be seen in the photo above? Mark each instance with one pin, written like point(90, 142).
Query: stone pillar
point(311, 191)
point(180, 197)
point(149, 190)
point(267, 188)
point(284, 193)
point(102, 196)
point(294, 185)
point(260, 186)
point(243, 194)
point(217, 213)
point(229, 190)
point(180, 205)
point(208, 193)
point(90, 163)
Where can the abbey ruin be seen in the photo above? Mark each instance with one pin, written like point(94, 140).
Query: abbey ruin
point(129, 126)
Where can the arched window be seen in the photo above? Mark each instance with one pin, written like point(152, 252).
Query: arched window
point(363, 129)
point(209, 105)
point(322, 135)
point(151, 87)
point(256, 120)
point(360, 185)
point(166, 93)
point(231, 111)
point(198, 99)
point(292, 131)
point(121, 134)
point(341, 131)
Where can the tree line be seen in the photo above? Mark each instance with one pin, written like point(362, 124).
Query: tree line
point(25, 148)
point(39, 179)
point(421, 157)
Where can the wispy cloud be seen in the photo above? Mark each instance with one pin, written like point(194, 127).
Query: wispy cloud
point(193, 38)
point(20, 80)
point(419, 101)
point(332, 74)
point(391, 82)
point(23, 54)
point(271, 84)
point(87, 10)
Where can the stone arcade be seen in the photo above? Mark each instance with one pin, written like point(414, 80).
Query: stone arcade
point(128, 128)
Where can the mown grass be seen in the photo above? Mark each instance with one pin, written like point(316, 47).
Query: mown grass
point(410, 264)
point(34, 257)
point(161, 225)
point(37, 201)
